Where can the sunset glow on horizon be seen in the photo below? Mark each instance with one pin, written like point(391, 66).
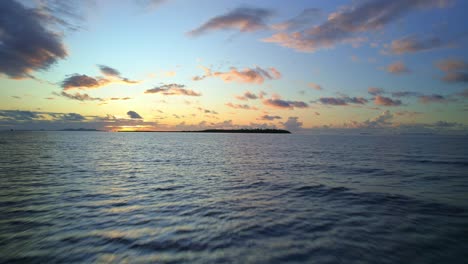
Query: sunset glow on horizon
point(171, 65)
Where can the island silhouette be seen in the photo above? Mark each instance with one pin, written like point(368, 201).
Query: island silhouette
point(243, 130)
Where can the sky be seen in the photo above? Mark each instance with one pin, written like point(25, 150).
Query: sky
point(171, 65)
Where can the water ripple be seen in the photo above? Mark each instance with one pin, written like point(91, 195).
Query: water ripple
point(198, 198)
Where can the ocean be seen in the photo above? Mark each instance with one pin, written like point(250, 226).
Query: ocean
point(80, 197)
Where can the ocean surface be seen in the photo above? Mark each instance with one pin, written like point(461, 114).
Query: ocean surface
point(69, 197)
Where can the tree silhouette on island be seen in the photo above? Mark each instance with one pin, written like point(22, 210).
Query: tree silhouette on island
point(242, 130)
point(245, 130)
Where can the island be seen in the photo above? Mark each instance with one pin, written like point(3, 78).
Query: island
point(243, 130)
point(255, 130)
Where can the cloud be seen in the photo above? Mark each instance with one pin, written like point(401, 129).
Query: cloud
point(108, 71)
point(434, 98)
point(241, 19)
point(241, 106)
point(350, 22)
point(33, 120)
point(397, 68)
point(343, 100)
point(277, 102)
point(134, 115)
point(172, 89)
point(292, 124)
point(455, 70)
point(170, 73)
point(405, 94)
point(305, 18)
point(407, 113)
point(383, 120)
point(79, 97)
point(87, 97)
point(255, 75)
point(413, 44)
point(436, 127)
point(332, 101)
point(299, 41)
point(386, 101)
point(445, 124)
point(72, 117)
point(119, 98)
point(247, 95)
point(30, 116)
point(83, 81)
point(262, 94)
point(425, 99)
point(269, 117)
point(207, 111)
point(463, 93)
point(356, 100)
point(276, 74)
point(111, 72)
point(315, 86)
point(66, 14)
point(26, 44)
point(226, 124)
point(455, 77)
point(450, 65)
point(19, 115)
point(151, 3)
point(375, 91)
point(207, 74)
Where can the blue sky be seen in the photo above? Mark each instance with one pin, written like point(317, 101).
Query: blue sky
point(369, 64)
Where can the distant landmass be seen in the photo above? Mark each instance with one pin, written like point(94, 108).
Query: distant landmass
point(81, 129)
point(246, 130)
point(256, 130)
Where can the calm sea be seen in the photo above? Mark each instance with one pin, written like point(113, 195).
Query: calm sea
point(232, 198)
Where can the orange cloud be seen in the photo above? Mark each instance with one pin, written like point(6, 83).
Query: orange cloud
point(413, 44)
point(386, 101)
point(450, 65)
point(170, 73)
point(315, 86)
point(83, 81)
point(397, 68)
point(455, 70)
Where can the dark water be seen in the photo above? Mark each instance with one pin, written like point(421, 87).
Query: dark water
point(232, 198)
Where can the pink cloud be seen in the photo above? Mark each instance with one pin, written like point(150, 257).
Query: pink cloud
point(248, 75)
point(397, 68)
point(346, 24)
point(386, 101)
